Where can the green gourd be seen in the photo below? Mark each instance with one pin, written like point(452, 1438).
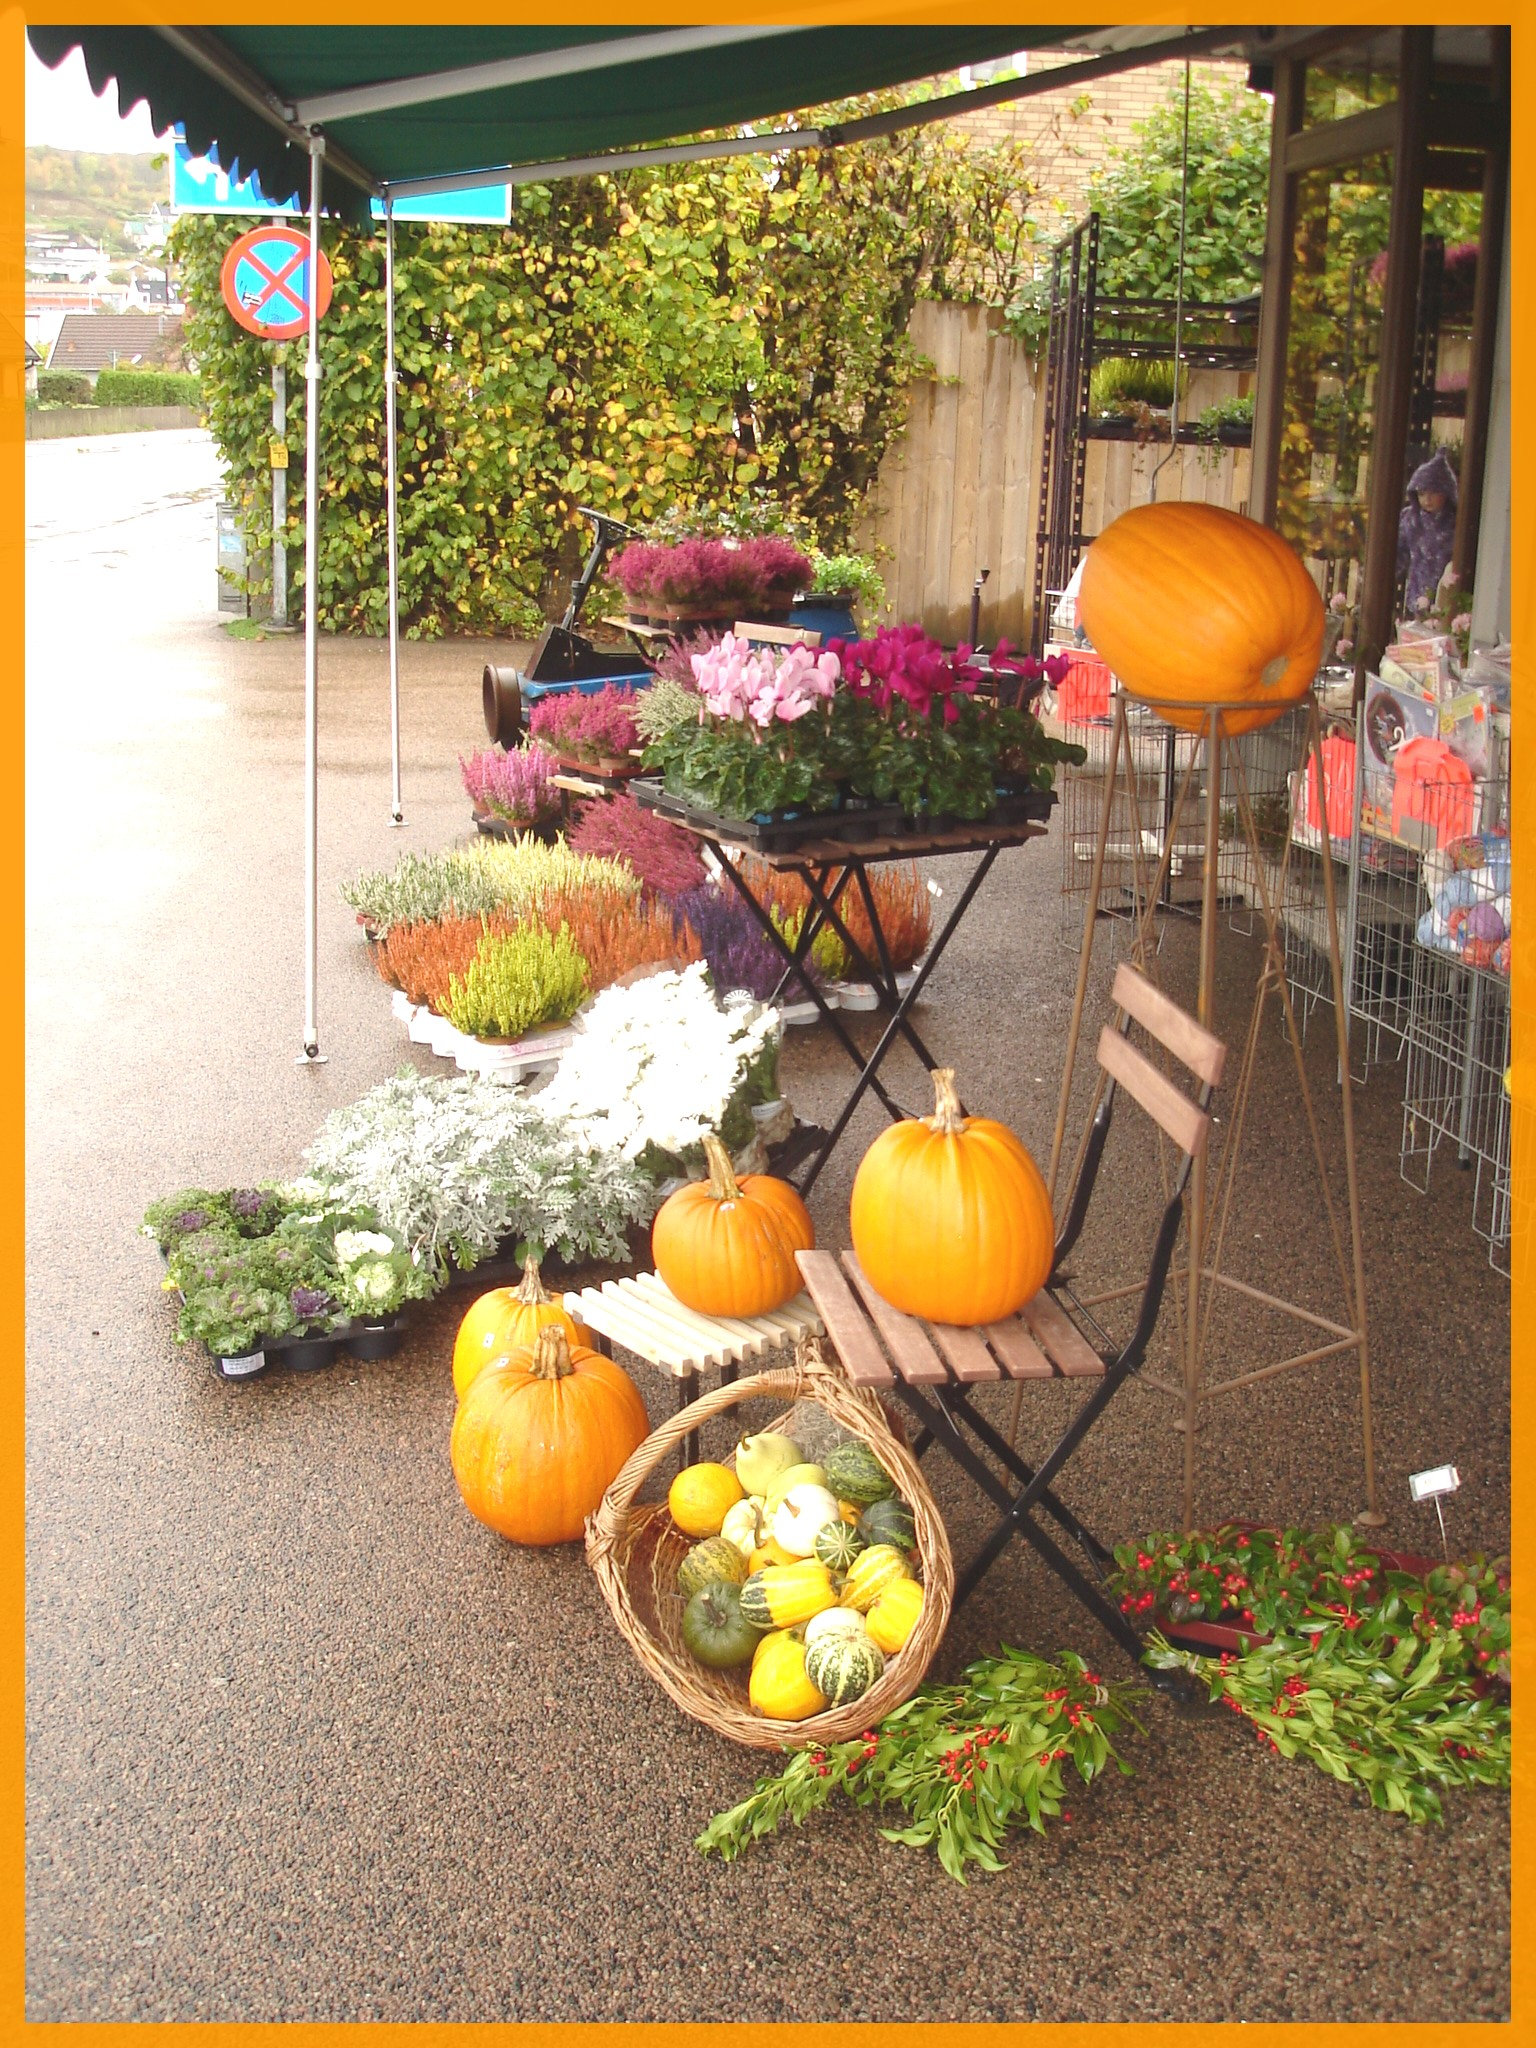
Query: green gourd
point(715, 1558)
point(889, 1521)
point(843, 1665)
point(855, 1473)
point(715, 1629)
point(837, 1545)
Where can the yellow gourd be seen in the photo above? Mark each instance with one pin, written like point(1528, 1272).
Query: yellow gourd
point(895, 1614)
point(869, 1575)
point(702, 1496)
point(779, 1689)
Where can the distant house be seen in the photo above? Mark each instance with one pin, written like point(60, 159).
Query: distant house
point(89, 343)
point(33, 359)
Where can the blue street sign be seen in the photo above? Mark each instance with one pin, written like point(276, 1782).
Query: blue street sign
point(477, 206)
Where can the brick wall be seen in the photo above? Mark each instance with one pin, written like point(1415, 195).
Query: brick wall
point(1069, 143)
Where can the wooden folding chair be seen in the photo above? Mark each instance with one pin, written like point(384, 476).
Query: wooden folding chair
point(933, 1367)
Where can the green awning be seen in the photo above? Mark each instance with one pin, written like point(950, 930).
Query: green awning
point(630, 99)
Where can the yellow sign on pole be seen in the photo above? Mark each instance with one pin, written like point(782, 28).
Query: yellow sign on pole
point(279, 454)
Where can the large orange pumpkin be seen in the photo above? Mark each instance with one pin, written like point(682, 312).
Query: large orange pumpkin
point(1192, 606)
point(539, 1438)
point(508, 1319)
point(951, 1220)
point(727, 1248)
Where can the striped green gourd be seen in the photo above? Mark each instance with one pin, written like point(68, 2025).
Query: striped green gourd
point(889, 1521)
point(855, 1473)
point(843, 1665)
point(837, 1545)
point(715, 1558)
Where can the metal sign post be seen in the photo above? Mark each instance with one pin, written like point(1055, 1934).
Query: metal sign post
point(391, 378)
point(312, 1053)
point(279, 623)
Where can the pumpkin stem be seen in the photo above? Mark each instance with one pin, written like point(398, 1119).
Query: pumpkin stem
point(551, 1354)
point(948, 1117)
point(531, 1290)
point(722, 1178)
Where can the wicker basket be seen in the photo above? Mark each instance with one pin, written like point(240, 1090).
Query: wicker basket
point(635, 1549)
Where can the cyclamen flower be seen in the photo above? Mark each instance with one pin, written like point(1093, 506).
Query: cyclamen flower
point(738, 681)
point(1338, 602)
point(1462, 622)
point(901, 662)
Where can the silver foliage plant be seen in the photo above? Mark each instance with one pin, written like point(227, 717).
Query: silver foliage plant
point(456, 1166)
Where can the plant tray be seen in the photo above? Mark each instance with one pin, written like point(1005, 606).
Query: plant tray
point(611, 769)
point(499, 828)
point(777, 834)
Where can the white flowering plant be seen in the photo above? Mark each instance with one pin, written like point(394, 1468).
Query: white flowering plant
point(456, 1168)
point(660, 1063)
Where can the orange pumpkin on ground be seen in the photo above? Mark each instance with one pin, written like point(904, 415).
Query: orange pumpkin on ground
point(540, 1436)
point(950, 1217)
point(1193, 606)
point(727, 1248)
point(509, 1319)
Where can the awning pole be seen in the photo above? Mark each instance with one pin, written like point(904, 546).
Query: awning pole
point(391, 377)
point(312, 1053)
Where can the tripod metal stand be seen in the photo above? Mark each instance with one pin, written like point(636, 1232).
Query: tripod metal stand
point(1202, 1282)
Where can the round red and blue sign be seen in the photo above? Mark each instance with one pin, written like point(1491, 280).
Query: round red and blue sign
point(265, 281)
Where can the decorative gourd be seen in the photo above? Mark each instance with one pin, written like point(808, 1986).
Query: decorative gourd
point(701, 1496)
point(849, 1510)
point(715, 1558)
point(837, 1545)
point(743, 1525)
point(764, 1643)
point(829, 1621)
point(873, 1570)
point(781, 1595)
point(889, 1521)
point(843, 1665)
point(762, 1458)
point(1191, 605)
point(950, 1218)
point(797, 1475)
point(508, 1319)
point(801, 1516)
point(779, 1689)
point(539, 1438)
point(895, 1614)
point(714, 1628)
point(770, 1552)
point(855, 1473)
point(727, 1248)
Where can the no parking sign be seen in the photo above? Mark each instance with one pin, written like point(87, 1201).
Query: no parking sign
point(265, 281)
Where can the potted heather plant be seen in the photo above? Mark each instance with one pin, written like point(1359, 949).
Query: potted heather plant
point(665, 857)
point(589, 730)
point(704, 581)
point(513, 791)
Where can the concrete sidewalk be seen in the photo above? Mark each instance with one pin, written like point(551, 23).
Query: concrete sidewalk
point(308, 1743)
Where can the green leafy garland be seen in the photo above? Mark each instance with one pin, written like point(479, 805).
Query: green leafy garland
point(966, 1762)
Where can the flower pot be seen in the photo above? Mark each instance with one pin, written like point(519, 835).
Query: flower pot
point(310, 1354)
point(774, 1121)
point(243, 1368)
point(444, 1038)
point(829, 613)
point(401, 1007)
point(806, 1013)
point(377, 1340)
point(853, 995)
point(419, 1025)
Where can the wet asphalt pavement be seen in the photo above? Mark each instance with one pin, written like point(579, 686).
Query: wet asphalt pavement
point(305, 1742)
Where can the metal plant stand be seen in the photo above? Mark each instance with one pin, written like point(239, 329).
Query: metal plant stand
point(1209, 1197)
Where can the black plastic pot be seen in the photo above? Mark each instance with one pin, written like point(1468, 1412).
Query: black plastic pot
point(310, 1354)
point(248, 1367)
point(377, 1340)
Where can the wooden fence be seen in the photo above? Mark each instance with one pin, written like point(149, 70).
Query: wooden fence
point(959, 491)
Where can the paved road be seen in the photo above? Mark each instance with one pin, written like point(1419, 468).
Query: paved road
point(305, 1742)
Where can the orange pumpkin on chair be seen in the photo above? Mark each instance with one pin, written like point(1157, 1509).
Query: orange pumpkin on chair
point(1193, 606)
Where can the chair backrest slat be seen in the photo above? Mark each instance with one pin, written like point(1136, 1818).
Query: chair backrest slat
point(1165, 1104)
point(1202, 1052)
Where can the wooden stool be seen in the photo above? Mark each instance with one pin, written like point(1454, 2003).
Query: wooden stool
point(646, 1317)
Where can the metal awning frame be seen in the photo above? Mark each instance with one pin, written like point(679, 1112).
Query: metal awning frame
point(303, 123)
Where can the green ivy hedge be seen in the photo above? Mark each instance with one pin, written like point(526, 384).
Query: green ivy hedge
point(637, 343)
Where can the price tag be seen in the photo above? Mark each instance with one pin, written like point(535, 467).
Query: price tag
point(279, 453)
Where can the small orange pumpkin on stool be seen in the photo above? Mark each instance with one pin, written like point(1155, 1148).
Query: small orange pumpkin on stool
point(1193, 606)
point(727, 1247)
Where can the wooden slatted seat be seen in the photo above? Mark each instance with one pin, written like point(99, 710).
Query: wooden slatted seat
point(936, 1368)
